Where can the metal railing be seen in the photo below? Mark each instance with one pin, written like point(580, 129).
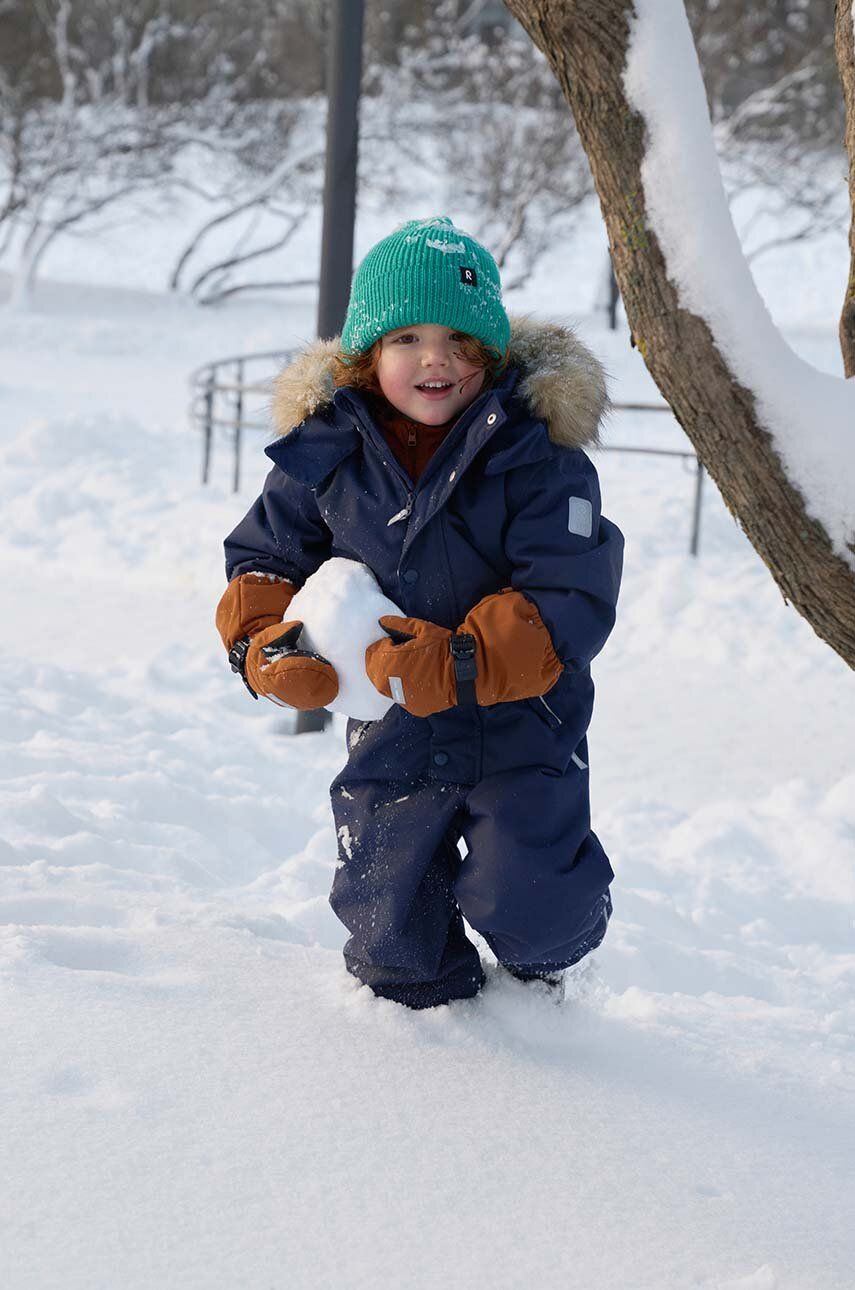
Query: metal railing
point(226, 402)
point(694, 541)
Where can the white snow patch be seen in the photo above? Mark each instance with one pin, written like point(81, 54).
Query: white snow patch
point(346, 841)
point(340, 606)
point(457, 248)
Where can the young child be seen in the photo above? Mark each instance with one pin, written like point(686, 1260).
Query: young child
point(441, 444)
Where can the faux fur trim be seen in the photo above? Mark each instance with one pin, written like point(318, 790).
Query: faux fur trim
point(561, 381)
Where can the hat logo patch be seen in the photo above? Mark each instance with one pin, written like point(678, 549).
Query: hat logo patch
point(468, 276)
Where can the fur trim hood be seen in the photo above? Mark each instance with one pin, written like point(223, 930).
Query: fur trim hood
point(561, 382)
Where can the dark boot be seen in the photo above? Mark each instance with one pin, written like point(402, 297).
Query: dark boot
point(551, 982)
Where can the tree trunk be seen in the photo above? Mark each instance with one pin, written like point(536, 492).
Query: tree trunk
point(586, 43)
point(26, 269)
point(844, 44)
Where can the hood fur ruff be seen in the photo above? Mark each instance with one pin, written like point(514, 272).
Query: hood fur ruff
point(561, 381)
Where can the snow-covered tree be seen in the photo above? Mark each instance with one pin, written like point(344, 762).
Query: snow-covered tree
point(777, 436)
point(259, 179)
point(76, 131)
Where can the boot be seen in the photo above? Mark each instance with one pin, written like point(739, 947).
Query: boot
point(551, 981)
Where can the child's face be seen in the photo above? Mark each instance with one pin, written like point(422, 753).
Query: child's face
point(409, 356)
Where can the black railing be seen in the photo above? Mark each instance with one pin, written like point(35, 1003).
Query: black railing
point(225, 403)
point(694, 542)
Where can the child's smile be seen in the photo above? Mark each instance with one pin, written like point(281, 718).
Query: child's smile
point(423, 374)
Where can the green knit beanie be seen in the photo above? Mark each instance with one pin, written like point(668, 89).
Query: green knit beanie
point(427, 271)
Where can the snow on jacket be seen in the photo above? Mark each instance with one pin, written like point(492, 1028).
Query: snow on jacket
point(509, 498)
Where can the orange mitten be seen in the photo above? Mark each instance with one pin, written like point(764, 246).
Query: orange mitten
point(250, 602)
point(278, 668)
point(413, 665)
point(514, 656)
point(514, 653)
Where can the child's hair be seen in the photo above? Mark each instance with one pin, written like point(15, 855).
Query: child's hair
point(359, 371)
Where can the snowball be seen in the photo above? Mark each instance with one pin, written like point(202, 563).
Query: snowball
point(340, 606)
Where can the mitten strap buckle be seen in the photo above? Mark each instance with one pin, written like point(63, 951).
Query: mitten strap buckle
point(462, 646)
point(237, 659)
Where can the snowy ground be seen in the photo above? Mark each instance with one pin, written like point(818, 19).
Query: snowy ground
point(195, 1093)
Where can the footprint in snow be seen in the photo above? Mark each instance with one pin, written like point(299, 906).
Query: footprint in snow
point(89, 952)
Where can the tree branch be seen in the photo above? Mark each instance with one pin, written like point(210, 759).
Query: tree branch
point(215, 297)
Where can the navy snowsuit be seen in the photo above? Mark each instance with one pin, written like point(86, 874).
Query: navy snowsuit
point(506, 500)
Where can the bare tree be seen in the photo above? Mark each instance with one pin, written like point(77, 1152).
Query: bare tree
point(479, 108)
point(73, 138)
point(264, 183)
point(587, 44)
point(780, 147)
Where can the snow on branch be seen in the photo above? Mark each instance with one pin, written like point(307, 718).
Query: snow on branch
point(809, 414)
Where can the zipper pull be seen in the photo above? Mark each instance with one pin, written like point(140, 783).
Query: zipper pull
point(404, 514)
point(411, 438)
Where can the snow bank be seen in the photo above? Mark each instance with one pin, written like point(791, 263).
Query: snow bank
point(340, 606)
point(810, 415)
point(171, 974)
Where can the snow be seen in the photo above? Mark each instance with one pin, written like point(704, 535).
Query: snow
point(340, 606)
point(346, 840)
point(809, 414)
point(456, 248)
point(196, 1094)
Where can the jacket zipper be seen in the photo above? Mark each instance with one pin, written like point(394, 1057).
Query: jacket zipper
point(407, 510)
point(405, 513)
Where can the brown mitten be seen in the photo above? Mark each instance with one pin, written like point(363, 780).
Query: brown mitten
point(514, 653)
point(250, 602)
point(278, 668)
point(413, 665)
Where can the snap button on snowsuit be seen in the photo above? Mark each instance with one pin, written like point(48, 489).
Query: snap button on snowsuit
point(489, 512)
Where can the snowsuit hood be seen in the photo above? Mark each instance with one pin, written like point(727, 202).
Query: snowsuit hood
point(561, 382)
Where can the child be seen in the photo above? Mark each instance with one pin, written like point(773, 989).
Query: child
point(442, 446)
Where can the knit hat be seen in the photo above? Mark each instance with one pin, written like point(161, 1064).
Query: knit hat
point(427, 271)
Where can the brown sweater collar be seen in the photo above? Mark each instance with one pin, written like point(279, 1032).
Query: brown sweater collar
point(395, 422)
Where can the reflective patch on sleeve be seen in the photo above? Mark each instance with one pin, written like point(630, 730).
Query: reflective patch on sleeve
point(397, 688)
point(581, 517)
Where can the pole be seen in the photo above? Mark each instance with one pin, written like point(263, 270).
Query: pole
point(238, 424)
point(696, 518)
point(208, 426)
point(344, 75)
point(614, 297)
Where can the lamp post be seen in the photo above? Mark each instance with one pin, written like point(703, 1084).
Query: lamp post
point(344, 75)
